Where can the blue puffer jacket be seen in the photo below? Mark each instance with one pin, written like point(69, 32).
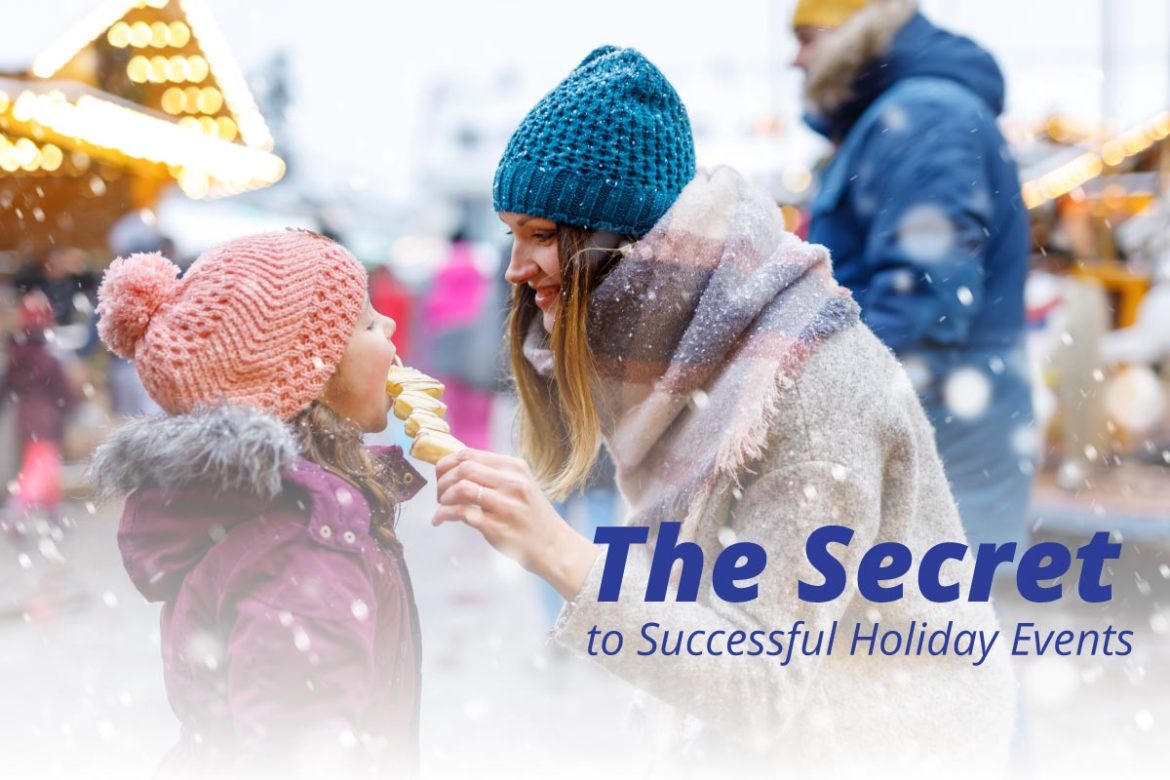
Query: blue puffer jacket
point(922, 212)
point(921, 205)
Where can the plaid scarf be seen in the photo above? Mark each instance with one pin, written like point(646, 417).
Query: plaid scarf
point(697, 332)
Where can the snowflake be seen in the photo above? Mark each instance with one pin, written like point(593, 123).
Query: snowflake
point(967, 393)
point(926, 233)
point(726, 536)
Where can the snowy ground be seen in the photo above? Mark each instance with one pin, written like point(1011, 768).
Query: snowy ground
point(82, 685)
point(82, 689)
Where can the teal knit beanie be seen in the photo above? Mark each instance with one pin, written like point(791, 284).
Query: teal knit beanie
point(609, 148)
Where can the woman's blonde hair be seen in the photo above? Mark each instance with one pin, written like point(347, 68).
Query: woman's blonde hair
point(335, 444)
point(559, 426)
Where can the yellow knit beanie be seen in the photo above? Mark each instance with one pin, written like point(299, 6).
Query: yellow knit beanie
point(824, 13)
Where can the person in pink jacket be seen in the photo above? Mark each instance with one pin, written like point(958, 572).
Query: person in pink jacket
point(255, 515)
point(36, 383)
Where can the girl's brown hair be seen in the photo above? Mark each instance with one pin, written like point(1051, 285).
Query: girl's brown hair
point(559, 426)
point(335, 444)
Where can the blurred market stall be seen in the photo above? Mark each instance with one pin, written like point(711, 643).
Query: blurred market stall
point(1099, 307)
point(136, 97)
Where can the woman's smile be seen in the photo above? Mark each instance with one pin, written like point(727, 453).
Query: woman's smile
point(547, 295)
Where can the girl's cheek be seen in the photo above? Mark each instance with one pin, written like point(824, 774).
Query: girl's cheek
point(380, 363)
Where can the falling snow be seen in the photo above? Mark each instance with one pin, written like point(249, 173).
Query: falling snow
point(926, 233)
point(726, 536)
point(967, 393)
point(918, 372)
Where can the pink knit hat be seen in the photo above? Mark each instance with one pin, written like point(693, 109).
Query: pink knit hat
point(261, 320)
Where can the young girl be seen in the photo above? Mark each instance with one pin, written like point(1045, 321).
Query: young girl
point(668, 313)
point(290, 639)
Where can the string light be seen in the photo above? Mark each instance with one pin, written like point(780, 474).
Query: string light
point(119, 35)
point(160, 35)
point(51, 157)
point(179, 70)
point(238, 98)
point(1090, 165)
point(227, 128)
point(174, 100)
point(1112, 152)
point(180, 35)
point(25, 154)
point(208, 164)
point(193, 96)
point(211, 100)
point(150, 141)
point(140, 34)
point(160, 69)
point(8, 160)
point(197, 69)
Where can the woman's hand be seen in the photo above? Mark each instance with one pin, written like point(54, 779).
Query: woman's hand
point(498, 496)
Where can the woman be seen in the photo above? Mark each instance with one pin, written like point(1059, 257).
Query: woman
point(668, 313)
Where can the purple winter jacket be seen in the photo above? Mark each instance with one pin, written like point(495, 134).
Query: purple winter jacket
point(290, 638)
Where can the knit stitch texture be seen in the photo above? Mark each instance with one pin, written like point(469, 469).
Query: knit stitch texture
point(610, 148)
point(742, 398)
point(262, 320)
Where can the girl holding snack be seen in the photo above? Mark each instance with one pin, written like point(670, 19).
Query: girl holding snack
point(256, 516)
point(666, 311)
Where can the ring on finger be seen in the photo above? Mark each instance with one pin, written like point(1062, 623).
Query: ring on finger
point(478, 496)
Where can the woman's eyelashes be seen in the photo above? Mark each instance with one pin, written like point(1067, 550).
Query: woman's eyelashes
point(542, 237)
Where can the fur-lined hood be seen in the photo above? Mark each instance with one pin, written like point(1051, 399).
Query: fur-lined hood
point(222, 449)
point(194, 478)
point(883, 43)
point(276, 597)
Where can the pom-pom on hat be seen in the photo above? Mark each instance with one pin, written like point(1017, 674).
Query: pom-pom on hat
point(262, 320)
point(610, 148)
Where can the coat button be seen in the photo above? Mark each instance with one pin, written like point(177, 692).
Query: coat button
point(326, 532)
point(350, 537)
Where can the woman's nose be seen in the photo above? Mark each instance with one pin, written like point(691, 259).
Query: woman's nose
point(519, 269)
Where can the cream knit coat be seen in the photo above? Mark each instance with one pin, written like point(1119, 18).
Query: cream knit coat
point(846, 442)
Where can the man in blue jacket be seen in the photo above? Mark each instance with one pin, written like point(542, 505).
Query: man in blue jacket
point(921, 208)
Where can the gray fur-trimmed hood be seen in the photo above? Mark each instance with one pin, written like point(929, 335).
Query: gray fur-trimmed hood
point(229, 448)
